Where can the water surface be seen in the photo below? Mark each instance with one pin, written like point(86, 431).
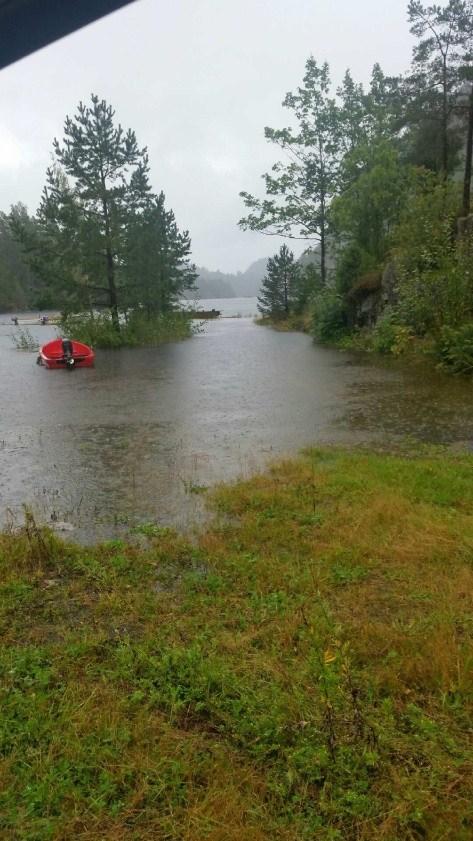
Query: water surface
point(137, 437)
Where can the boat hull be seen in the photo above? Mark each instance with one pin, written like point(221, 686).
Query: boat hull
point(53, 356)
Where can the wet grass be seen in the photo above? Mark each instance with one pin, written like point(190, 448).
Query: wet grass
point(302, 671)
point(300, 323)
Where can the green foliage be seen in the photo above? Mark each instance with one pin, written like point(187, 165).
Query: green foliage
point(308, 283)
point(158, 270)
point(101, 238)
point(433, 296)
point(138, 330)
point(384, 334)
point(388, 336)
point(19, 286)
point(279, 285)
point(378, 188)
point(352, 178)
point(99, 179)
point(454, 348)
point(329, 316)
point(299, 191)
point(442, 50)
point(434, 267)
point(352, 263)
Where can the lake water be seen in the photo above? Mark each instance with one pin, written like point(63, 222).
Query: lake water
point(136, 438)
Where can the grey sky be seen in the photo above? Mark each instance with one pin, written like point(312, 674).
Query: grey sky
point(198, 80)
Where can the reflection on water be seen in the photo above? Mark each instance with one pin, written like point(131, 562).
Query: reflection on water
point(138, 437)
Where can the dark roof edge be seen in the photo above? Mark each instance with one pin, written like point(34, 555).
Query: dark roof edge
point(28, 25)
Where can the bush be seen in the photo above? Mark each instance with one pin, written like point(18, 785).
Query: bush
point(454, 348)
point(389, 336)
point(433, 265)
point(139, 330)
point(329, 318)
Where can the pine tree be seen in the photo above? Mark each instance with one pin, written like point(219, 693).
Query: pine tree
point(98, 182)
point(279, 285)
point(19, 287)
point(158, 267)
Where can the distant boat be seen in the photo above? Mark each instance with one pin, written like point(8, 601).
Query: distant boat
point(66, 353)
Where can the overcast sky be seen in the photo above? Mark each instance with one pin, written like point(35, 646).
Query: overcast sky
point(197, 80)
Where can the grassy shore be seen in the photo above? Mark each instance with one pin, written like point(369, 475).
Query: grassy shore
point(300, 323)
point(301, 671)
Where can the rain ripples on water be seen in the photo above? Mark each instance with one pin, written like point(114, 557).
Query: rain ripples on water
point(139, 437)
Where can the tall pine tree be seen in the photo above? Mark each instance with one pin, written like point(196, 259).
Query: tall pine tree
point(158, 267)
point(98, 182)
point(279, 285)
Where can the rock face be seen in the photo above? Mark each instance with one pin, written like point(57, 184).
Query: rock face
point(371, 295)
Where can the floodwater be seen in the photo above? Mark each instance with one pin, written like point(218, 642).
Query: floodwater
point(139, 436)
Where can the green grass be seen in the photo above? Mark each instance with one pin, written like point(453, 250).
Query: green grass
point(300, 322)
point(301, 671)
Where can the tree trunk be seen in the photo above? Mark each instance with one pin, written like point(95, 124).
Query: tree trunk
point(323, 256)
point(112, 289)
point(444, 119)
point(323, 195)
point(286, 305)
point(469, 153)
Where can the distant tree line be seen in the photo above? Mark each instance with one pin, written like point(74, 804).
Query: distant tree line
point(382, 177)
point(19, 286)
point(101, 237)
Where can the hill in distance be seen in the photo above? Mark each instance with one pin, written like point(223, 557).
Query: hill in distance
point(247, 284)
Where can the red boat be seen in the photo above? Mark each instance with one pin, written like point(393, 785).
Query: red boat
point(64, 353)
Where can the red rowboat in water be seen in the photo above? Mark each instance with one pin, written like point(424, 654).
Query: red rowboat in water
point(64, 353)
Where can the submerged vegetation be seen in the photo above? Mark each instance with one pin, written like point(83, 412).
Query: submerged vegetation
point(137, 330)
point(303, 670)
point(23, 340)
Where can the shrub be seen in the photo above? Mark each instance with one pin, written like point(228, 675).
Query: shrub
point(384, 334)
point(329, 318)
point(390, 337)
point(454, 348)
point(97, 330)
point(433, 265)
